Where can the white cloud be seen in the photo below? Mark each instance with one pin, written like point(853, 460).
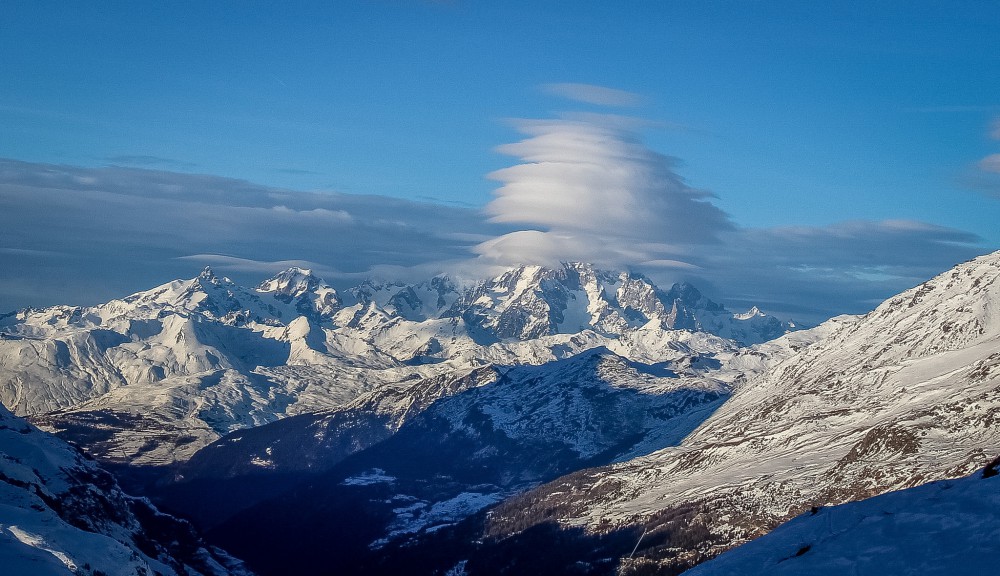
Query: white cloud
point(334, 216)
point(589, 190)
point(592, 94)
point(668, 265)
point(586, 188)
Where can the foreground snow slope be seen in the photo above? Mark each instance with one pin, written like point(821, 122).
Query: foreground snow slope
point(945, 527)
point(906, 394)
point(61, 514)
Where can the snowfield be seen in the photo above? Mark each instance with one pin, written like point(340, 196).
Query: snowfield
point(61, 514)
point(944, 527)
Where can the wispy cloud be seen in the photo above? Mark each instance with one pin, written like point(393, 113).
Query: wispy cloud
point(591, 94)
point(297, 172)
point(957, 108)
point(29, 252)
point(984, 175)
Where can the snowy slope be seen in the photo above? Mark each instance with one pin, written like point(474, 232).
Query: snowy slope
point(906, 394)
point(317, 440)
point(945, 527)
point(61, 514)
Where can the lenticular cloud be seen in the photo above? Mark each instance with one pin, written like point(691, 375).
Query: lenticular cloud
point(589, 189)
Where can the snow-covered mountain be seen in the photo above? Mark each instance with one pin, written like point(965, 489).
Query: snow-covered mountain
point(906, 394)
point(153, 377)
point(322, 439)
point(532, 301)
point(496, 433)
point(945, 527)
point(429, 427)
point(62, 514)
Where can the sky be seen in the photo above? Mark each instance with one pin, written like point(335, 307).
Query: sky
point(809, 158)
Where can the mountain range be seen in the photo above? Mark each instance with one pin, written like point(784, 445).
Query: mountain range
point(153, 377)
point(437, 428)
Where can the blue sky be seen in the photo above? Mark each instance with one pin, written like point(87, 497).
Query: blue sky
point(808, 128)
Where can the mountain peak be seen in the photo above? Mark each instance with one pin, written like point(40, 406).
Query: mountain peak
point(207, 274)
point(753, 312)
point(292, 282)
point(690, 296)
point(580, 267)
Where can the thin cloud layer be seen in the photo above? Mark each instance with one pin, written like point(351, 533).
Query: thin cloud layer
point(990, 164)
point(591, 94)
point(810, 273)
point(80, 236)
point(984, 175)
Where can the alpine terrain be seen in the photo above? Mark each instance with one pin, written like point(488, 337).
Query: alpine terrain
point(906, 394)
point(935, 528)
point(152, 378)
point(433, 428)
point(60, 513)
